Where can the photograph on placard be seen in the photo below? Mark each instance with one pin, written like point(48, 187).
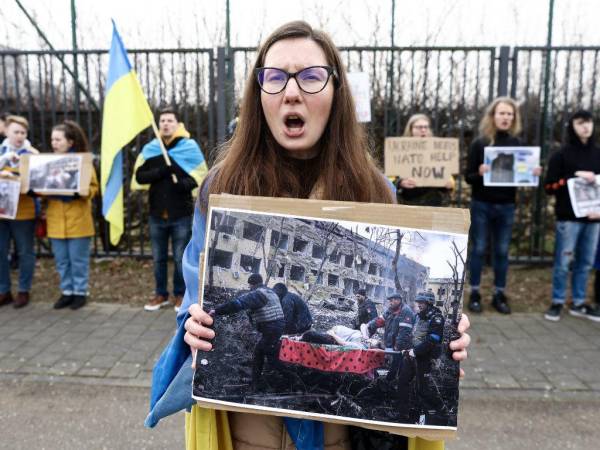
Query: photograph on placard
point(331, 318)
point(9, 197)
point(585, 196)
point(511, 166)
point(51, 172)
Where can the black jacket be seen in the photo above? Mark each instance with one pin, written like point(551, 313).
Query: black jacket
point(562, 165)
point(297, 315)
point(166, 196)
point(475, 159)
point(367, 311)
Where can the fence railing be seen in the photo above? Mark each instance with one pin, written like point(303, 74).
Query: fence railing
point(450, 84)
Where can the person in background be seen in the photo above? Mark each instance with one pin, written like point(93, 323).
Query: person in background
point(492, 207)
point(366, 310)
point(576, 237)
point(295, 310)
point(70, 223)
point(419, 125)
point(3, 117)
point(21, 229)
point(171, 202)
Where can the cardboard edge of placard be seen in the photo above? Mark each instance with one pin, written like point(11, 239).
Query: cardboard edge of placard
point(449, 220)
point(428, 432)
point(84, 183)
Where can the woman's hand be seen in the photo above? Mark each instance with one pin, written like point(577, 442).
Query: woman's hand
point(408, 183)
point(483, 168)
point(459, 346)
point(586, 175)
point(198, 335)
point(537, 171)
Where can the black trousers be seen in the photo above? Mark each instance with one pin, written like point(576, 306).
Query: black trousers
point(267, 347)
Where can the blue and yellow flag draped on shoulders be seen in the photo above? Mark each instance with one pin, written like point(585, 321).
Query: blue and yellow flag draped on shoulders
point(126, 114)
point(186, 153)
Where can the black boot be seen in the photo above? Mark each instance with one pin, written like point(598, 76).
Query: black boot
point(78, 301)
point(500, 302)
point(475, 302)
point(63, 301)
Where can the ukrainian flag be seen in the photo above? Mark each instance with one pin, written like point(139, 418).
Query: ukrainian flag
point(126, 114)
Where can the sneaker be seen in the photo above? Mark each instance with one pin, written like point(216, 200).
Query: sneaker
point(585, 311)
point(63, 301)
point(157, 302)
point(500, 302)
point(78, 301)
point(21, 300)
point(594, 313)
point(553, 312)
point(475, 302)
point(5, 299)
point(177, 300)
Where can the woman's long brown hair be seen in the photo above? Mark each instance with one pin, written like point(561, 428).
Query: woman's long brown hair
point(252, 163)
point(74, 133)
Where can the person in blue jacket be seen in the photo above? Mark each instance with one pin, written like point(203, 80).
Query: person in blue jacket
point(295, 310)
point(297, 137)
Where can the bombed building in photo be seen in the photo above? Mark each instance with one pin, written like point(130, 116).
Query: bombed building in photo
point(319, 260)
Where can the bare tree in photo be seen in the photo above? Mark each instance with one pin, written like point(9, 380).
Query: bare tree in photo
point(458, 276)
point(328, 236)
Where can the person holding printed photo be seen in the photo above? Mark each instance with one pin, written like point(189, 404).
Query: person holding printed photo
point(70, 223)
point(21, 229)
point(298, 137)
point(419, 125)
point(576, 237)
point(492, 208)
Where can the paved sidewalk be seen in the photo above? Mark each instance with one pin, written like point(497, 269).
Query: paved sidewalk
point(117, 345)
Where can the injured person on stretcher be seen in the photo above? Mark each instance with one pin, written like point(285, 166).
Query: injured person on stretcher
point(342, 335)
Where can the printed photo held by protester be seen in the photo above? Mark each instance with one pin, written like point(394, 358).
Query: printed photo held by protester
point(576, 238)
point(70, 224)
point(492, 208)
point(21, 229)
point(171, 189)
point(297, 137)
point(409, 192)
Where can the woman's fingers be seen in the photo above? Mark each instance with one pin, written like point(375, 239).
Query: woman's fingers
point(461, 343)
point(195, 343)
point(464, 324)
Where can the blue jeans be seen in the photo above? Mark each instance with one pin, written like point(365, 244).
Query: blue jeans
point(497, 218)
point(180, 232)
point(575, 241)
point(72, 258)
point(22, 233)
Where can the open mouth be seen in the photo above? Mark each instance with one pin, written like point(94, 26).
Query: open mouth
point(294, 125)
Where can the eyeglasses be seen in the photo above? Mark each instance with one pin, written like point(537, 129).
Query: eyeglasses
point(310, 80)
point(421, 127)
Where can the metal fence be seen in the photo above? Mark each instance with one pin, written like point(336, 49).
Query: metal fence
point(450, 84)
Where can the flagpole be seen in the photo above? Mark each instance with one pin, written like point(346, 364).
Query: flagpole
point(163, 150)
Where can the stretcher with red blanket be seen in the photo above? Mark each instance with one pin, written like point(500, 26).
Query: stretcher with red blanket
point(331, 358)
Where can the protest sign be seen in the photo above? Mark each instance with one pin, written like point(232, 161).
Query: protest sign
point(361, 91)
point(429, 161)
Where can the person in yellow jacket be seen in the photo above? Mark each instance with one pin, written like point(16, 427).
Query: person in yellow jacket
point(70, 224)
point(21, 228)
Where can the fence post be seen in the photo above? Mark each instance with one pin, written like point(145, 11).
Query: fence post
point(221, 96)
point(503, 62)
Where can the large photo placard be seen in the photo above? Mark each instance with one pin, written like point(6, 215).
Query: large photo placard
point(584, 196)
point(288, 283)
point(511, 166)
point(429, 161)
point(56, 174)
point(9, 196)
